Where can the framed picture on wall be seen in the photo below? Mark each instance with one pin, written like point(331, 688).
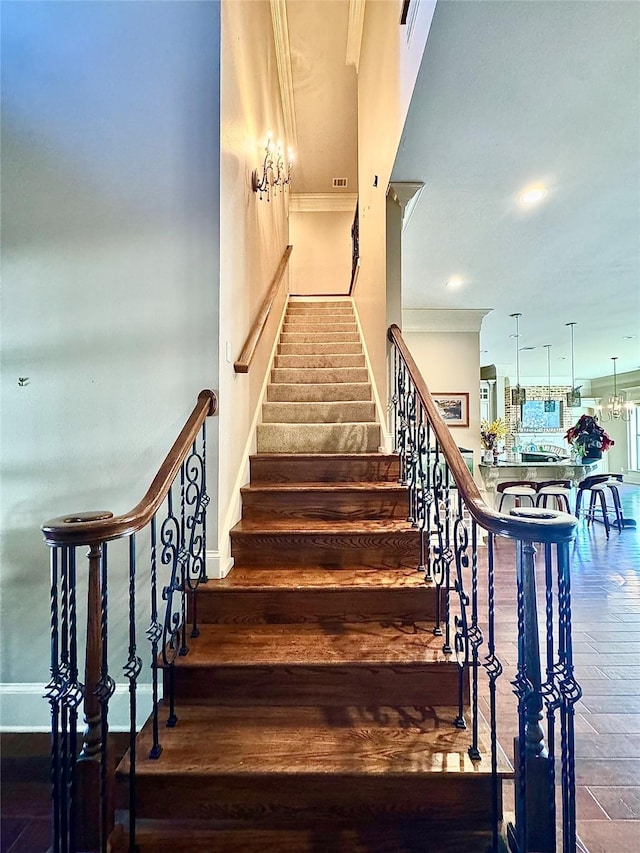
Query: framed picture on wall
point(454, 408)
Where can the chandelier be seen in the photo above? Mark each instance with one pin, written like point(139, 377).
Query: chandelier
point(274, 172)
point(617, 409)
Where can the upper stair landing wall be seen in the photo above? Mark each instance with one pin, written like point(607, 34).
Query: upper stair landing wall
point(321, 264)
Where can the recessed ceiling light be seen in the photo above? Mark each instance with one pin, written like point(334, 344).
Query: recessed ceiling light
point(454, 281)
point(532, 195)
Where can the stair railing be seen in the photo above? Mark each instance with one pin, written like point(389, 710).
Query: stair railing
point(167, 529)
point(243, 362)
point(452, 519)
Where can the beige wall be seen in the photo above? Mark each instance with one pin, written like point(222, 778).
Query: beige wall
point(450, 361)
point(387, 73)
point(321, 262)
point(253, 232)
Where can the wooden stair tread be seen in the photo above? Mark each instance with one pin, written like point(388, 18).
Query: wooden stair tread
point(313, 527)
point(312, 741)
point(328, 643)
point(354, 486)
point(299, 579)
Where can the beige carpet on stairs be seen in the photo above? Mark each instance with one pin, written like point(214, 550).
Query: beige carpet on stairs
point(319, 399)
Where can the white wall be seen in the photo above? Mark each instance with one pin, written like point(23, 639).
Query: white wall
point(602, 388)
point(321, 263)
point(110, 143)
point(389, 65)
point(450, 362)
point(254, 234)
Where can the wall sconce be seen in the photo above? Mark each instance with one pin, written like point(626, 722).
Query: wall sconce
point(274, 173)
point(618, 409)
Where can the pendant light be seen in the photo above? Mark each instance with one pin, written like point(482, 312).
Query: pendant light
point(549, 404)
point(573, 397)
point(518, 394)
point(617, 409)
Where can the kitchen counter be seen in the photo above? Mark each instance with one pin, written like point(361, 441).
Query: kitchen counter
point(534, 472)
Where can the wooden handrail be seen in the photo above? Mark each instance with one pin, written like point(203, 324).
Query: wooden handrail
point(95, 527)
point(243, 362)
point(533, 525)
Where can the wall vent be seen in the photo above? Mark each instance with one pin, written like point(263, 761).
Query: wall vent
point(340, 183)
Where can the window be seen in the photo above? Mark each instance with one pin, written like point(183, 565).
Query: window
point(634, 439)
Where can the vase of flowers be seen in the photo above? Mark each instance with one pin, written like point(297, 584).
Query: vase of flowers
point(490, 435)
point(588, 439)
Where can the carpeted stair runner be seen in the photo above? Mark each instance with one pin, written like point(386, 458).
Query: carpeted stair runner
point(319, 399)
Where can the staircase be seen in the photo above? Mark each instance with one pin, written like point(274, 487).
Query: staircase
point(315, 708)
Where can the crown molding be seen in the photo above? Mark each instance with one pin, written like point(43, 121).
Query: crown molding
point(406, 194)
point(443, 319)
point(285, 77)
point(323, 202)
point(354, 32)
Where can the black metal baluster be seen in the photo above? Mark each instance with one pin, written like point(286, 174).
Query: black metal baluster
point(429, 504)
point(571, 693)
point(448, 555)
point(170, 540)
point(184, 567)
point(66, 812)
point(476, 640)
point(421, 490)
point(132, 670)
point(461, 638)
point(494, 671)
point(73, 696)
point(154, 632)
point(439, 570)
point(53, 694)
point(549, 689)
point(203, 573)
point(105, 690)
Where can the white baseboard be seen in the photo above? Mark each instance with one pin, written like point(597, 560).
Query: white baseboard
point(23, 707)
point(218, 565)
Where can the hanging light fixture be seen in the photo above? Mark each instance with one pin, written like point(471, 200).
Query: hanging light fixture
point(573, 397)
point(518, 394)
point(549, 404)
point(617, 409)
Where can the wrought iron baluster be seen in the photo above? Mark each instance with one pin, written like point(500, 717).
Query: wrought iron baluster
point(184, 567)
point(449, 556)
point(461, 638)
point(53, 695)
point(494, 671)
point(429, 504)
point(571, 693)
point(422, 494)
point(549, 690)
point(441, 554)
point(104, 690)
point(68, 808)
point(411, 456)
point(132, 670)
point(171, 556)
point(154, 632)
point(197, 501)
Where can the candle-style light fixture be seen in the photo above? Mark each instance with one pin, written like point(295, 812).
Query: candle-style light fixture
point(573, 397)
point(518, 394)
point(617, 409)
point(549, 404)
point(274, 172)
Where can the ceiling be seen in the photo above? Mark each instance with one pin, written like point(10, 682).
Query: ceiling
point(508, 95)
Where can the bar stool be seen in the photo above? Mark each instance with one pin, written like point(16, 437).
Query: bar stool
point(599, 485)
point(557, 490)
point(517, 489)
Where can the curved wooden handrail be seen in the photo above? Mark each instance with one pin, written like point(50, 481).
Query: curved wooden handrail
point(91, 528)
point(243, 362)
point(533, 525)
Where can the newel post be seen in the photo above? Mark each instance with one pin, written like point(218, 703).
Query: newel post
point(535, 809)
point(94, 813)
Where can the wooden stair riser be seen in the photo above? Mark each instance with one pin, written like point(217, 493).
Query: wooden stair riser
point(330, 686)
point(287, 606)
point(326, 503)
point(389, 836)
point(368, 550)
point(340, 412)
point(438, 800)
point(321, 392)
point(329, 468)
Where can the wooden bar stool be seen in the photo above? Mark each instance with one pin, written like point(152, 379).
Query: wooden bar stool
point(558, 490)
point(599, 486)
point(519, 490)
